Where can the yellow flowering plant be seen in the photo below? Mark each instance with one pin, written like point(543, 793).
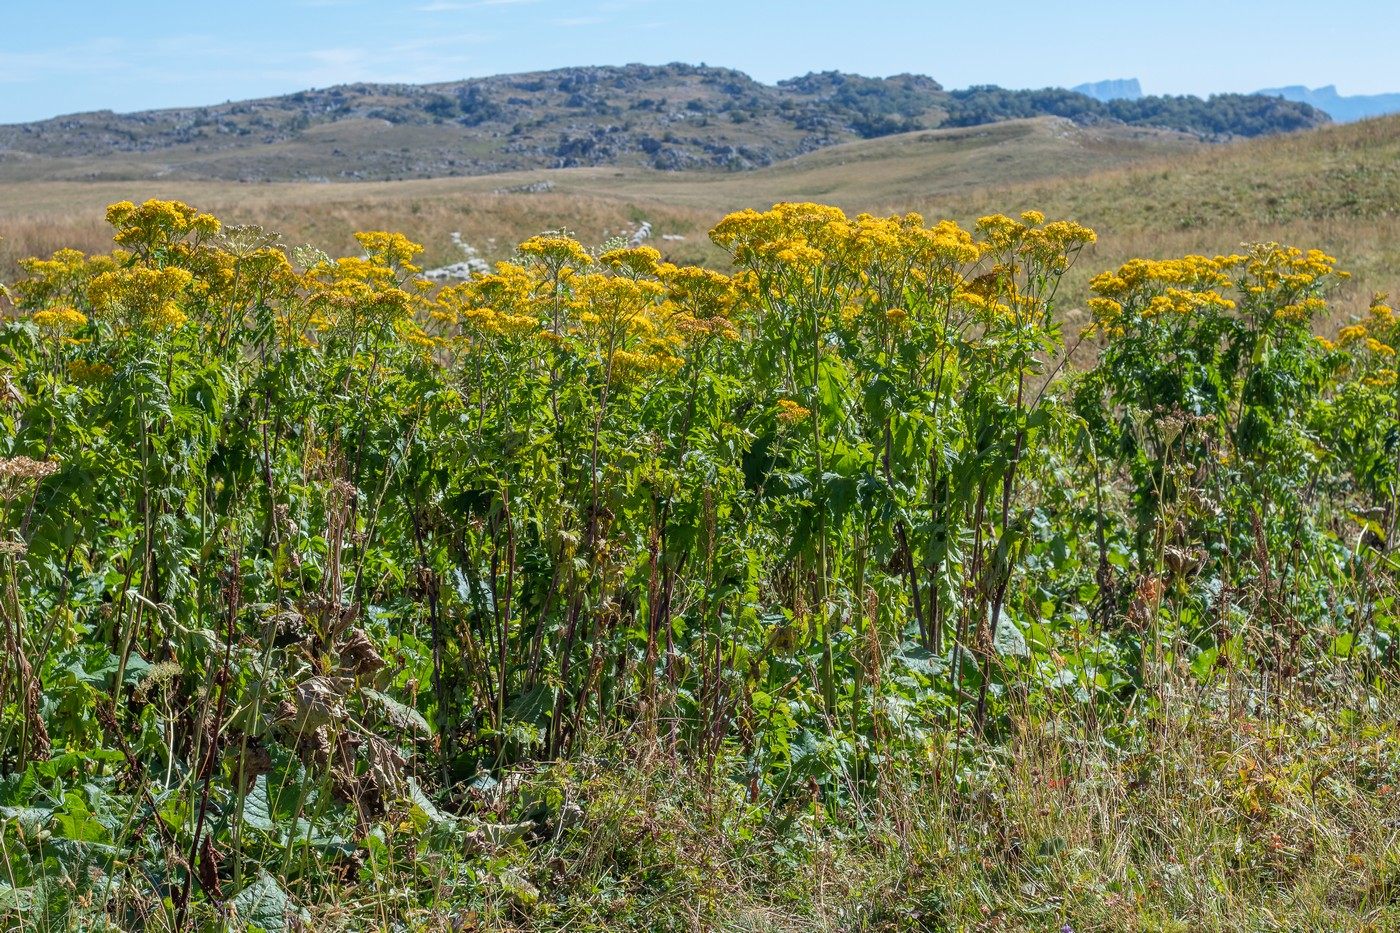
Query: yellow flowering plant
point(322, 539)
point(1206, 390)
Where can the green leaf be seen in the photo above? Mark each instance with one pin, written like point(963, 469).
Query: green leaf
point(532, 707)
point(403, 717)
point(257, 809)
point(1204, 663)
point(1343, 645)
point(263, 905)
point(916, 657)
point(1009, 641)
point(16, 899)
point(77, 822)
point(30, 819)
point(424, 810)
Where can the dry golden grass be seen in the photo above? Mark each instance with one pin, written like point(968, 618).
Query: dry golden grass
point(1336, 189)
point(1147, 193)
point(37, 217)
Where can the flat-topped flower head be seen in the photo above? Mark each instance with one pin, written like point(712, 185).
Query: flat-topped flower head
point(790, 412)
point(633, 261)
point(157, 224)
point(61, 319)
point(556, 252)
point(393, 250)
point(142, 297)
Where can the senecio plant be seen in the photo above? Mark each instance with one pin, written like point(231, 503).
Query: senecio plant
point(296, 549)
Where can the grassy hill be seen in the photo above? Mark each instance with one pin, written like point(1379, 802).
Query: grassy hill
point(1336, 189)
point(494, 212)
point(669, 117)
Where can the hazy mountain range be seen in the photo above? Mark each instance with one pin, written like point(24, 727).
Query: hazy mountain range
point(1340, 107)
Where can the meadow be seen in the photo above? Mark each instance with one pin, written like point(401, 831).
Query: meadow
point(1149, 192)
point(893, 571)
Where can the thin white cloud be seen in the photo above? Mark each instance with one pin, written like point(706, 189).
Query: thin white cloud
point(449, 6)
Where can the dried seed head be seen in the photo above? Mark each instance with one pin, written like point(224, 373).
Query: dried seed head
point(16, 471)
point(158, 676)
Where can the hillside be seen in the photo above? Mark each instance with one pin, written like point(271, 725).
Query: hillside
point(1336, 189)
point(495, 211)
point(671, 117)
point(1150, 193)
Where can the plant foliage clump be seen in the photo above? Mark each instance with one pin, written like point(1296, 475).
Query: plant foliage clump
point(305, 560)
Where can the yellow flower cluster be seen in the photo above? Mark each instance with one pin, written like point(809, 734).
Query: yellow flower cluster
point(1301, 312)
point(634, 262)
point(367, 291)
point(142, 296)
point(60, 319)
point(701, 302)
point(1380, 314)
point(1271, 266)
point(84, 371)
point(790, 412)
point(155, 224)
point(800, 236)
point(628, 366)
point(1050, 244)
point(1378, 332)
point(630, 312)
point(62, 277)
point(556, 252)
point(1138, 276)
point(392, 251)
point(882, 272)
point(503, 323)
point(1273, 285)
point(1182, 301)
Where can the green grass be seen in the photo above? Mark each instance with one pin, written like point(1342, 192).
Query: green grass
point(1216, 817)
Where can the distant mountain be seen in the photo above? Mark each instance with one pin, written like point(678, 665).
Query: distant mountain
point(1340, 107)
point(1113, 89)
point(666, 117)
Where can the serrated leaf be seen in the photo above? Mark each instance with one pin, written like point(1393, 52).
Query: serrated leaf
point(16, 899)
point(401, 716)
point(30, 819)
point(257, 809)
point(916, 657)
point(424, 806)
point(531, 707)
point(1009, 641)
point(264, 905)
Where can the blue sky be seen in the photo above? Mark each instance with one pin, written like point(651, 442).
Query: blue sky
point(61, 57)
